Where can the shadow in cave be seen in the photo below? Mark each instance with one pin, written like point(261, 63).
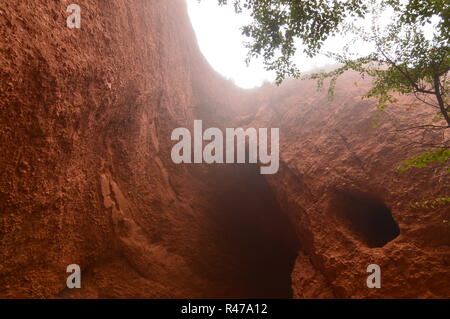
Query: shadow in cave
point(256, 236)
point(367, 217)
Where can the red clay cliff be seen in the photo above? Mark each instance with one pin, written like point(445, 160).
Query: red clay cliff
point(86, 175)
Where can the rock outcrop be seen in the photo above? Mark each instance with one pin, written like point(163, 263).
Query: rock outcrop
point(86, 175)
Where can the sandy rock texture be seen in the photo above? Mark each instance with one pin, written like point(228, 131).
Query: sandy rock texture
point(349, 206)
point(86, 175)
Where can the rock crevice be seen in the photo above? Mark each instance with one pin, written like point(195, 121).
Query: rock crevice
point(86, 174)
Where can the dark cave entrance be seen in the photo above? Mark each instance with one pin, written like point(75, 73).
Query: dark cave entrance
point(367, 217)
point(258, 239)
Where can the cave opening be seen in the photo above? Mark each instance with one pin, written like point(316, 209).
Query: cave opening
point(255, 235)
point(367, 217)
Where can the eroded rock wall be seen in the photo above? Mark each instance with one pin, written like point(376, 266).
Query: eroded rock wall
point(86, 175)
point(338, 184)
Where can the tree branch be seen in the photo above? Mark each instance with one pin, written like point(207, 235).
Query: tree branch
point(433, 127)
point(440, 100)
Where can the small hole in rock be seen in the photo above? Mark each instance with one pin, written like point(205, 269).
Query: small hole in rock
point(367, 217)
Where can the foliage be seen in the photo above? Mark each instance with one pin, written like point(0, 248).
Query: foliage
point(277, 24)
point(403, 60)
point(424, 159)
point(431, 204)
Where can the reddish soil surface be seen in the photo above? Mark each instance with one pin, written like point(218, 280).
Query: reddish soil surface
point(86, 175)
